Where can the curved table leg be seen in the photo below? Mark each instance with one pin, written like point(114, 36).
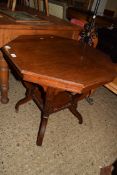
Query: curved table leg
point(73, 107)
point(4, 77)
point(22, 101)
point(76, 113)
point(42, 129)
point(28, 97)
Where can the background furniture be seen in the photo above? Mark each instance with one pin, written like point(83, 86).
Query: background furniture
point(11, 4)
point(82, 4)
point(101, 21)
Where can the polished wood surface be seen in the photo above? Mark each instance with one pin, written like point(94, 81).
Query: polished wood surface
point(57, 72)
point(61, 63)
point(10, 29)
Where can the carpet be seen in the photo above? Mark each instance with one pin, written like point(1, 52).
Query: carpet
point(68, 148)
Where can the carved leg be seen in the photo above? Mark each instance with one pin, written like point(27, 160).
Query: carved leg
point(47, 109)
point(8, 3)
point(4, 77)
point(13, 5)
point(29, 93)
point(74, 111)
point(73, 107)
point(42, 129)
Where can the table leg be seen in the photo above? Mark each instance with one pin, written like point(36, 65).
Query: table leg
point(4, 77)
point(74, 111)
point(73, 107)
point(47, 109)
point(28, 95)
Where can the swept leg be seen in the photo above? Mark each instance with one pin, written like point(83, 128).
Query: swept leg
point(28, 97)
point(4, 77)
point(73, 106)
point(74, 111)
point(21, 102)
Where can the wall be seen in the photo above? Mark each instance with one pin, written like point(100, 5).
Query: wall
point(101, 7)
point(106, 4)
point(112, 5)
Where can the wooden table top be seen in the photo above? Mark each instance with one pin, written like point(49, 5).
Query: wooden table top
point(60, 62)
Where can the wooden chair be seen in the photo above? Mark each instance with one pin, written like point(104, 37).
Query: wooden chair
point(11, 4)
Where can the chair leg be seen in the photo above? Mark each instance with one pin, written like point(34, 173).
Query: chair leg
point(38, 3)
point(8, 3)
point(13, 5)
point(46, 6)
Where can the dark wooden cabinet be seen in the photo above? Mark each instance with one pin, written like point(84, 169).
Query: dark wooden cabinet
point(82, 4)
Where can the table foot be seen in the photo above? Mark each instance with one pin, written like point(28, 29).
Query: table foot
point(29, 94)
point(41, 131)
point(4, 77)
point(4, 93)
point(4, 100)
point(21, 102)
point(90, 100)
point(76, 114)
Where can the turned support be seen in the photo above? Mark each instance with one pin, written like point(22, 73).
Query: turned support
point(47, 110)
point(73, 107)
point(4, 77)
point(28, 95)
